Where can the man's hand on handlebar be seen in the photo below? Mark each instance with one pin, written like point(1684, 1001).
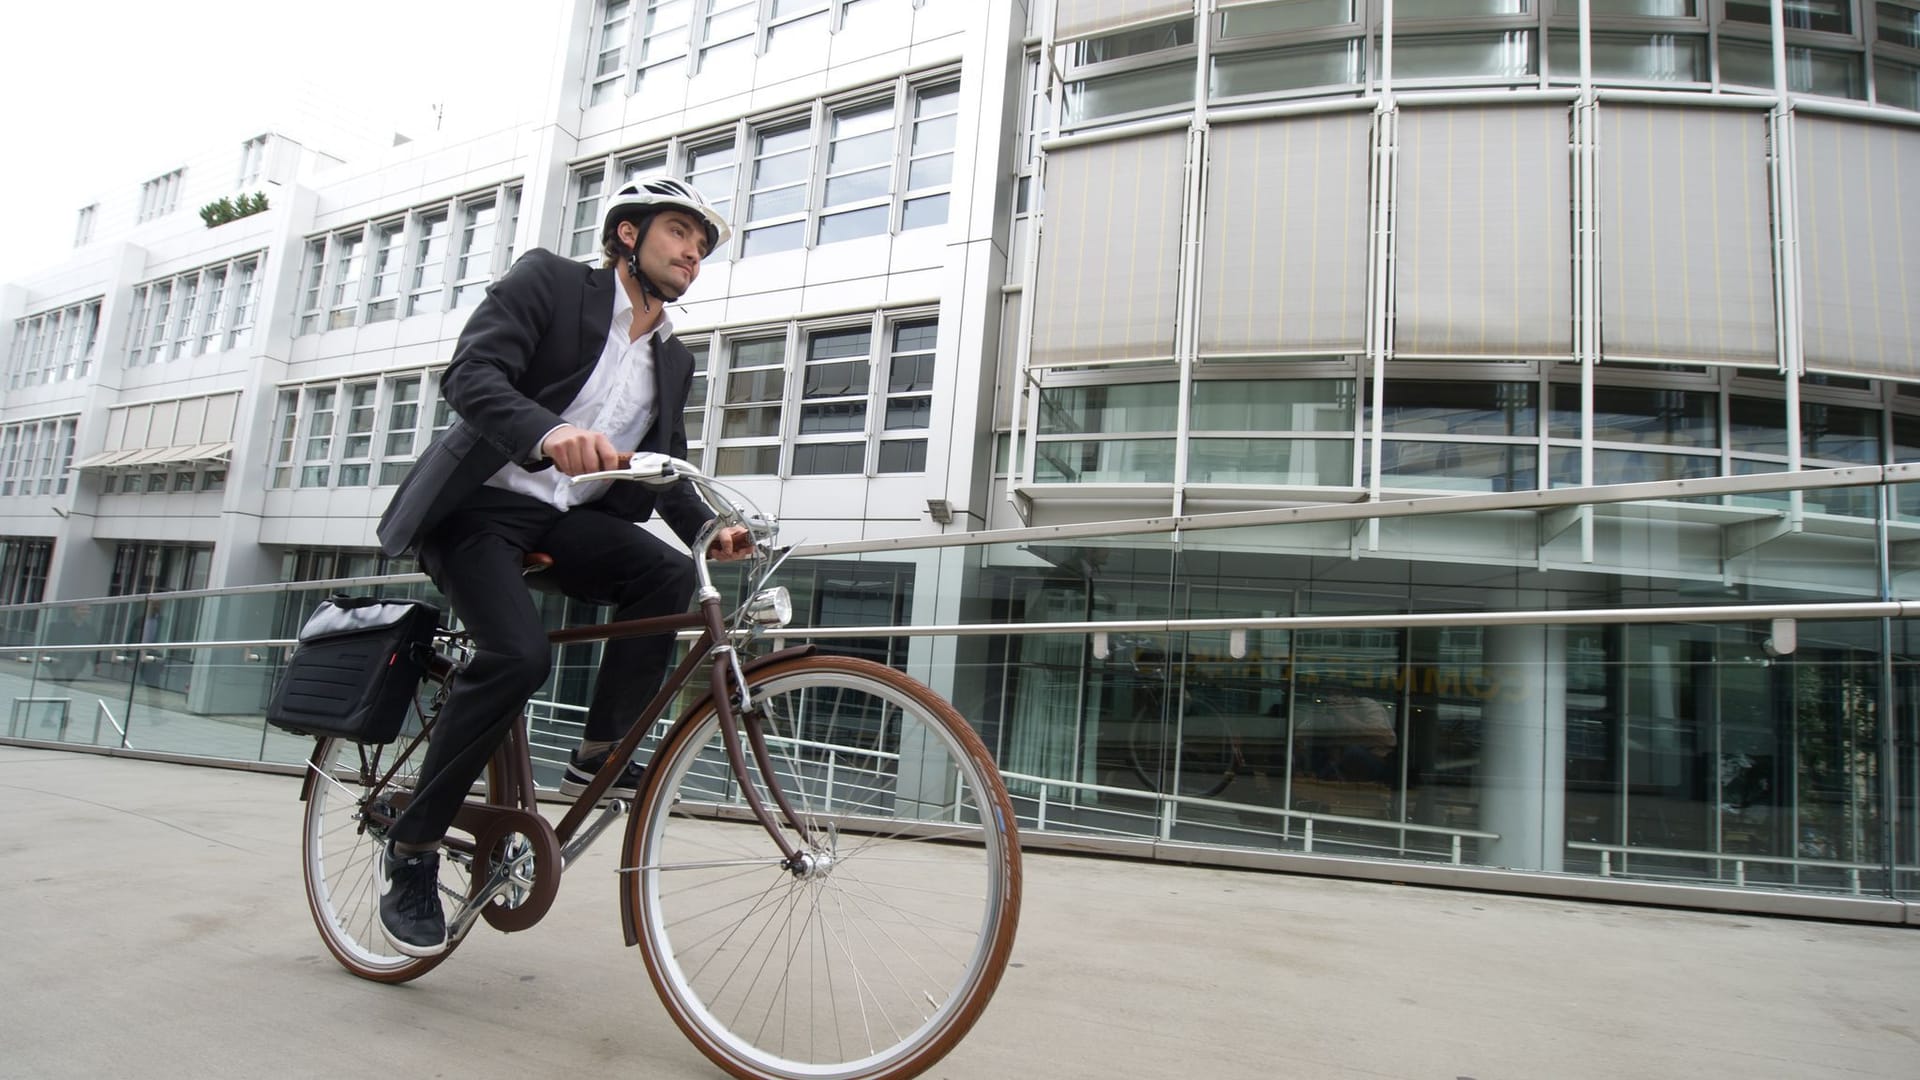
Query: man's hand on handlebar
point(576, 450)
point(733, 542)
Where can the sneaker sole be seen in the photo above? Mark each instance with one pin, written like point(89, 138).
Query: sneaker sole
point(418, 952)
point(573, 789)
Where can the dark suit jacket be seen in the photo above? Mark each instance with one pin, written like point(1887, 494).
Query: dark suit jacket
point(525, 353)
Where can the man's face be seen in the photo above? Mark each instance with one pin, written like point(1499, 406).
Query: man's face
point(671, 251)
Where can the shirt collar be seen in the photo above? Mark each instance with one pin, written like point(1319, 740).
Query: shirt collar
point(623, 314)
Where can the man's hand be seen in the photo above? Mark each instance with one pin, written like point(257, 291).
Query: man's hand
point(576, 450)
point(734, 542)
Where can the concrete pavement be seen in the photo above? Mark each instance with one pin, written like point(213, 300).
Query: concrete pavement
point(154, 926)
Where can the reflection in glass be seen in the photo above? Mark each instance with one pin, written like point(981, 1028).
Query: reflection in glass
point(1252, 20)
point(1284, 462)
point(1273, 71)
point(1633, 57)
point(1506, 55)
point(1809, 71)
point(1159, 88)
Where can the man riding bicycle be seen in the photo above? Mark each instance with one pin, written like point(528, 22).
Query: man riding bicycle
point(559, 370)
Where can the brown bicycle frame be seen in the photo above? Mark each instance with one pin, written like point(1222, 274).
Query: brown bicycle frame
point(489, 821)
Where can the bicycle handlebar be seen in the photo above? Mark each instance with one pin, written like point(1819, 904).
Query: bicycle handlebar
point(662, 471)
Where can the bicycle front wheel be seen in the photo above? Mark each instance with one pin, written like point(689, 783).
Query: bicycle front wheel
point(876, 958)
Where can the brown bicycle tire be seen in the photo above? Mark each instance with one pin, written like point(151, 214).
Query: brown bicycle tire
point(999, 920)
point(345, 943)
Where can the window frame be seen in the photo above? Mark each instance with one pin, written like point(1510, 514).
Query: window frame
point(204, 310)
point(588, 178)
point(348, 465)
point(429, 281)
point(795, 339)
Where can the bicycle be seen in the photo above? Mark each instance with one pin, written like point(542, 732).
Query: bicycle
point(821, 868)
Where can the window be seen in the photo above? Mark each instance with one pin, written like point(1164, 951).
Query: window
point(936, 113)
point(343, 304)
point(909, 398)
point(884, 162)
point(24, 562)
point(727, 29)
point(777, 202)
point(1131, 72)
point(663, 40)
point(696, 411)
point(55, 345)
point(1117, 433)
point(712, 172)
point(215, 279)
point(356, 452)
point(83, 227)
point(383, 289)
point(858, 409)
point(36, 456)
point(186, 293)
point(200, 311)
point(240, 311)
point(1826, 16)
point(157, 327)
point(285, 421)
point(360, 270)
point(325, 564)
point(512, 226)
point(253, 162)
point(796, 22)
point(583, 235)
point(148, 567)
point(354, 432)
point(319, 404)
point(610, 52)
point(403, 429)
point(475, 263)
point(833, 403)
point(859, 172)
point(429, 263)
point(750, 413)
point(1460, 436)
point(311, 270)
point(159, 196)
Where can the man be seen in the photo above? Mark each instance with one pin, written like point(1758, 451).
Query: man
point(558, 370)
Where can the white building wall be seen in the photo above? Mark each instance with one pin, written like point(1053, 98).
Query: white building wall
point(955, 271)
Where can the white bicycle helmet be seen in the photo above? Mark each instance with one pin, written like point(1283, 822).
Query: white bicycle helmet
point(663, 193)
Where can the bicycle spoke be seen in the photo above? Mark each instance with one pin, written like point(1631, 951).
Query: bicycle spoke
point(880, 948)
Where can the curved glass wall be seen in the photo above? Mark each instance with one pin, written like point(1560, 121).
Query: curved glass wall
point(1859, 50)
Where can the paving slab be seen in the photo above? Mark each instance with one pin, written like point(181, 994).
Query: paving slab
point(155, 927)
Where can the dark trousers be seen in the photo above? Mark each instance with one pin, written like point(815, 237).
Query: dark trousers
point(474, 556)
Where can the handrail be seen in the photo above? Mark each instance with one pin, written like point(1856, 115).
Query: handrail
point(1418, 506)
point(1868, 609)
point(1740, 860)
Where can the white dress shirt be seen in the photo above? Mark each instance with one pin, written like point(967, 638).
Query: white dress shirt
point(618, 400)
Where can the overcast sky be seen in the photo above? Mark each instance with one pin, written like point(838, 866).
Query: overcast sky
point(102, 94)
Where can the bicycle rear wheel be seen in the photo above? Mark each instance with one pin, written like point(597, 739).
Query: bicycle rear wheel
point(340, 853)
point(874, 963)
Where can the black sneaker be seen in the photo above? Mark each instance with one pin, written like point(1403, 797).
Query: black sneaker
point(580, 773)
point(410, 913)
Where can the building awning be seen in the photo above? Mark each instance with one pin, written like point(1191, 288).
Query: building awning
point(185, 454)
point(106, 459)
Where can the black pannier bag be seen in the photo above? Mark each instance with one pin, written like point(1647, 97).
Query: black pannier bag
point(354, 673)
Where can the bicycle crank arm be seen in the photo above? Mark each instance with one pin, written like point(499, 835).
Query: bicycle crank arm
point(588, 835)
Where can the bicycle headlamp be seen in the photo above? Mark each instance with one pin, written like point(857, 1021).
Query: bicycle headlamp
point(770, 608)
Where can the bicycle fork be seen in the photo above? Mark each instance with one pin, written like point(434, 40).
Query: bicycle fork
point(746, 727)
